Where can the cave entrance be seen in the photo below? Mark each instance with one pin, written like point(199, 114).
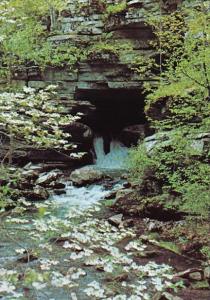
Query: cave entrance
point(114, 110)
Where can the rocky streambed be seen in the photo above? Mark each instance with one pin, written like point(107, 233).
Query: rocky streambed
point(74, 246)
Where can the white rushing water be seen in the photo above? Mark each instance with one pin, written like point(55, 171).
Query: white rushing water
point(83, 197)
point(115, 159)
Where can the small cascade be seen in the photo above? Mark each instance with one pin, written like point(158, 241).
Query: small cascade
point(115, 159)
point(83, 197)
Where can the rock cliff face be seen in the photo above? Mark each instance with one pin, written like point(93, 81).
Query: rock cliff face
point(111, 35)
point(85, 25)
point(105, 75)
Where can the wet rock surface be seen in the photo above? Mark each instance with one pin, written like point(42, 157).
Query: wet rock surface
point(131, 135)
point(86, 175)
point(81, 135)
point(37, 181)
point(48, 178)
point(37, 194)
point(132, 201)
point(116, 220)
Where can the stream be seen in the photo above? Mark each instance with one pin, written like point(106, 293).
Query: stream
point(66, 248)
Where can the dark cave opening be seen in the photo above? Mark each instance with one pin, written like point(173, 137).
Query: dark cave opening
point(115, 109)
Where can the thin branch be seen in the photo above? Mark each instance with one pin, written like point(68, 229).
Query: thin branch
point(2, 132)
point(195, 80)
point(4, 158)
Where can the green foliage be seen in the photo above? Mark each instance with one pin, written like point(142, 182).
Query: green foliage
point(196, 198)
point(179, 106)
point(8, 178)
point(108, 50)
point(169, 30)
point(177, 286)
point(179, 168)
point(184, 88)
point(182, 104)
point(206, 251)
point(62, 55)
point(201, 285)
point(32, 276)
point(32, 8)
point(169, 246)
point(108, 203)
point(34, 118)
point(103, 47)
point(24, 37)
point(115, 9)
point(4, 196)
point(143, 65)
point(140, 163)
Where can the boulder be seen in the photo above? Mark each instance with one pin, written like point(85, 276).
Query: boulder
point(37, 194)
point(207, 272)
point(86, 175)
point(130, 135)
point(30, 174)
point(133, 203)
point(165, 296)
point(195, 276)
point(52, 156)
point(35, 159)
point(56, 186)
point(135, 3)
point(116, 220)
point(150, 254)
point(127, 185)
point(160, 139)
point(127, 202)
point(25, 185)
point(59, 192)
point(200, 142)
point(31, 167)
point(153, 225)
point(47, 178)
point(111, 195)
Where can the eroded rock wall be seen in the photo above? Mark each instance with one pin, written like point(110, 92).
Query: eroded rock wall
point(85, 24)
point(109, 44)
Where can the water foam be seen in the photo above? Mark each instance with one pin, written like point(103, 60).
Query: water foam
point(115, 159)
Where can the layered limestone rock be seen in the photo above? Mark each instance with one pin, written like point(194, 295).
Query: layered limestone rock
point(85, 23)
point(109, 42)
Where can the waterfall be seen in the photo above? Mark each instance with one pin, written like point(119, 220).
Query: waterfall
point(115, 159)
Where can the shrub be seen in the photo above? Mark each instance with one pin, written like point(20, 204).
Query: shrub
point(140, 163)
point(35, 118)
point(8, 179)
point(180, 170)
point(106, 50)
point(116, 9)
